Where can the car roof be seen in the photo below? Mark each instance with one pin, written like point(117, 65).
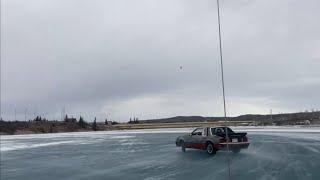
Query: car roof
point(212, 127)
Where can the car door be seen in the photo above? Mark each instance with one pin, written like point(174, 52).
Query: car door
point(195, 138)
point(202, 140)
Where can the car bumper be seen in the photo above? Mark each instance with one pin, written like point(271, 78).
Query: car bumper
point(234, 145)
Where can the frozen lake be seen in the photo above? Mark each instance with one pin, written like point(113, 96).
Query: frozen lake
point(274, 153)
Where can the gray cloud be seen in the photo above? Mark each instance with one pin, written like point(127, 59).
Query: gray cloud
point(122, 58)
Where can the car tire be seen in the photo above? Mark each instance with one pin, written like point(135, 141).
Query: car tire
point(236, 150)
point(183, 147)
point(211, 149)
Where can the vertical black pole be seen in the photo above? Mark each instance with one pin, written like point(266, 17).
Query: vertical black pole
point(223, 91)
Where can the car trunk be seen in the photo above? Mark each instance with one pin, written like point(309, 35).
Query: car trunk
point(234, 137)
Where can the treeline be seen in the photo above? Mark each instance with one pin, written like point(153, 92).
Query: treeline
point(43, 125)
point(69, 124)
point(134, 121)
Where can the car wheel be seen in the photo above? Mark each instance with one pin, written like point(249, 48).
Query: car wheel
point(236, 150)
point(211, 149)
point(183, 147)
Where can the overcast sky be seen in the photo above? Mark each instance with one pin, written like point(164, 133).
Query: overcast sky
point(122, 58)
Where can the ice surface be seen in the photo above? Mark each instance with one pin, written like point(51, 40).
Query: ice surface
point(274, 153)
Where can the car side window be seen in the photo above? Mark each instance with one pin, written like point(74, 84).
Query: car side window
point(213, 131)
point(197, 131)
point(219, 131)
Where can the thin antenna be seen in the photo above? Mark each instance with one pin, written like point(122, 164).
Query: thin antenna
point(223, 91)
point(15, 114)
point(25, 114)
point(63, 113)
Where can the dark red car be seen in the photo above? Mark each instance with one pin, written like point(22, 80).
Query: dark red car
point(213, 139)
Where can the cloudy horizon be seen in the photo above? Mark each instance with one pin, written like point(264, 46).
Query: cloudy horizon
point(154, 59)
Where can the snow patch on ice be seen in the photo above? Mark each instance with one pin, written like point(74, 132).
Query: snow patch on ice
point(19, 146)
point(121, 137)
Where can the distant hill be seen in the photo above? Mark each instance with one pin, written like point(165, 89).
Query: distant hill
point(179, 119)
point(275, 118)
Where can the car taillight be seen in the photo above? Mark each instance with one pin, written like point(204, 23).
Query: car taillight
point(245, 139)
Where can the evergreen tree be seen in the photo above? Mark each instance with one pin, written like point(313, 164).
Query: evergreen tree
point(82, 123)
point(94, 125)
point(66, 118)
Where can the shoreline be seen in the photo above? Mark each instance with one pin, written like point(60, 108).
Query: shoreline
point(120, 127)
point(42, 125)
